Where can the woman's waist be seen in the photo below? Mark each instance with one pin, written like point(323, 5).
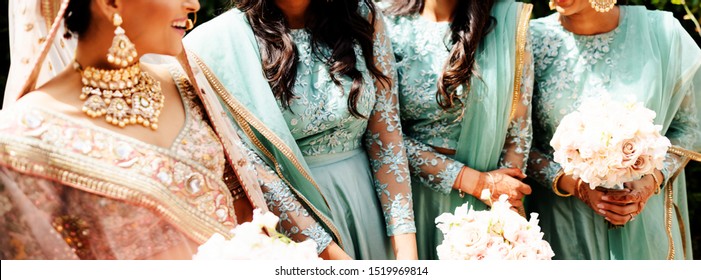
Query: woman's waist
point(333, 157)
point(443, 145)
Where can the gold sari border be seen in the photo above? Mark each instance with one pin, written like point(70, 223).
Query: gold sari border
point(521, 39)
point(670, 207)
point(35, 158)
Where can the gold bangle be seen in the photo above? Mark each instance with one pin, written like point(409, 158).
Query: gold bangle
point(657, 182)
point(555, 181)
point(459, 182)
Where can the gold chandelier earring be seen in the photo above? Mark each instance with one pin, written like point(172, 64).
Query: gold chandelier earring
point(122, 52)
point(602, 6)
point(552, 5)
point(126, 95)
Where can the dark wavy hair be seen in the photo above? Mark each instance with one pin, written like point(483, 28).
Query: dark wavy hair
point(77, 17)
point(337, 24)
point(472, 21)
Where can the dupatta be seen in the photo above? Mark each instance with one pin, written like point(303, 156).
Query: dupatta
point(231, 67)
point(501, 59)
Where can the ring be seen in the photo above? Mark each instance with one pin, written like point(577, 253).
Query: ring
point(631, 217)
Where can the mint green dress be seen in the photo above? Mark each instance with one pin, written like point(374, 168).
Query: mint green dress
point(650, 56)
point(492, 130)
point(351, 172)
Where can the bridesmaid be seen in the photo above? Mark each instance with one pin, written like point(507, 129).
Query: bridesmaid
point(329, 108)
point(465, 82)
point(592, 47)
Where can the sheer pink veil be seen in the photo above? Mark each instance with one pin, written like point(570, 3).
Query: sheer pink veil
point(35, 52)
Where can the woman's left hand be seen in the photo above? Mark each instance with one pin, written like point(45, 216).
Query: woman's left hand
point(621, 209)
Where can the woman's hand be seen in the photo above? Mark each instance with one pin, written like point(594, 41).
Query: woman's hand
point(405, 246)
point(620, 208)
point(334, 252)
point(503, 181)
point(591, 197)
point(594, 197)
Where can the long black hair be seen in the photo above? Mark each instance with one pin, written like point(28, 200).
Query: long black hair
point(472, 21)
point(337, 24)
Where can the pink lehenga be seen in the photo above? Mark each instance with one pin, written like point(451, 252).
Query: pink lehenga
point(71, 190)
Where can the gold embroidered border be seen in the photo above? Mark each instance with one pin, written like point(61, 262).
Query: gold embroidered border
point(669, 211)
point(685, 153)
point(86, 174)
point(670, 207)
point(49, 11)
point(521, 38)
point(245, 119)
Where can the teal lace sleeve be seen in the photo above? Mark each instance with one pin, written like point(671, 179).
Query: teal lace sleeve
point(683, 131)
point(385, 145)
point(295, 220)
point(432, 168)
point(542, 168)
point(520, 132)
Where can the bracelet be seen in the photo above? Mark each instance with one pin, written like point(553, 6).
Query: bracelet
point(555, 181)
point(491, 190)
point(459, 180)
point(657, 182)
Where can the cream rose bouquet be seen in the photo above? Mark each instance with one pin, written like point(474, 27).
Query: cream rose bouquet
point(606, 143)
point(497, 234)
point(251, 242)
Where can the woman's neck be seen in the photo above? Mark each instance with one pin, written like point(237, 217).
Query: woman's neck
point(439, 10)
point(294, 11)
point(591, 22)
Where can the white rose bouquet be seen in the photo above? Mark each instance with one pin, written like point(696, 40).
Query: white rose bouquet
point(497, 234)
point(251, 242)
point(606, 143)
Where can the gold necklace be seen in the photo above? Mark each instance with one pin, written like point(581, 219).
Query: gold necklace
point(124, 96)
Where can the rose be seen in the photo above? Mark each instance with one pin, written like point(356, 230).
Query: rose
point(642, 165)
point(631, 152)
point(498, 249)
point(543, 250)
point(256, 240)
point(522, 252)
point(475, 238)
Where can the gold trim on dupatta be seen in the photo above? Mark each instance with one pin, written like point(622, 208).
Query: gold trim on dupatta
point(670, 207)
point(245, 120)
point(521, 39)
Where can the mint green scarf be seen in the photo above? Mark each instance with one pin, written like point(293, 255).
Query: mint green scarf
point(230, 60)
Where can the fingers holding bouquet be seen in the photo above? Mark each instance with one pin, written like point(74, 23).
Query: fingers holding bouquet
point(621, 207)
point(618, 158)
point(504, 181)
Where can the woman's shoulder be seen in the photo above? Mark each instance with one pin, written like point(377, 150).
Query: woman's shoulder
point(661, 27)
point(544, 25)
point(662, 24)
point(401, 26)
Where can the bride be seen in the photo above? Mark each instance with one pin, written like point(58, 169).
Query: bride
point(117, 159)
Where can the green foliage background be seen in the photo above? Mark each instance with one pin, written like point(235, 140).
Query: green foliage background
point(211, 8)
